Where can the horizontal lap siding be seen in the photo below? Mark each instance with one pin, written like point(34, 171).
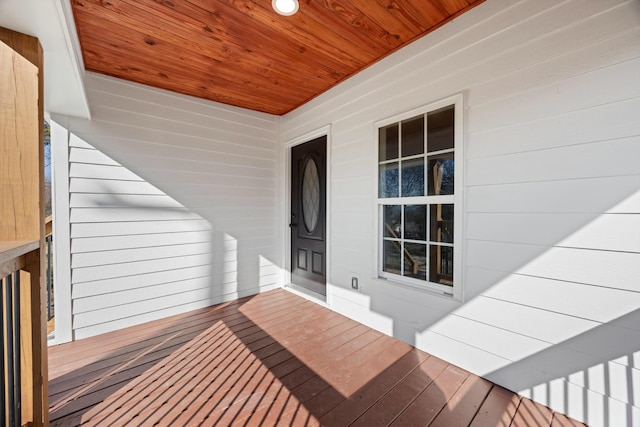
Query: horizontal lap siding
point(552, 199)
point(172, 205)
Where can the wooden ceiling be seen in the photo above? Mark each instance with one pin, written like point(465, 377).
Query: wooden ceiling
point(241, 52)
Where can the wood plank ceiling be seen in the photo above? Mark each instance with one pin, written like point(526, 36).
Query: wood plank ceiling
point(241, 52)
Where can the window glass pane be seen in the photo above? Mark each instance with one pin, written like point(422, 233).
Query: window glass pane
point(391, 257)
point(415, 222)
point(440, 129)
point(413, 136)
point(392, 224)
point(310, 195)
point(441, 264)
point(388, 180)
point(415, 260)
point(413, 178)
point(388, 137)
point(440, 170)
point(441, 223)
point(416, 159)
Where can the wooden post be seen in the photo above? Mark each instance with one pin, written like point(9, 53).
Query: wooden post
point(34, 339)
point(22, 202)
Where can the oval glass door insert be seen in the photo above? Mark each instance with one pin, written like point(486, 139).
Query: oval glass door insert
point(310, 195)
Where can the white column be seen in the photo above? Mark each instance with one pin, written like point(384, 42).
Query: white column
point(61, 232)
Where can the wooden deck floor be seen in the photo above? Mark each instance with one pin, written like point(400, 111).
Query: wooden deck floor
point(271, 359)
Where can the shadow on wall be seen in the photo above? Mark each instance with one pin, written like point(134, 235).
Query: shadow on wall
point(229, 277)
point(138, 254)
point(552, 306)
point(591, 374)
point(237, 275)
point(189, 237)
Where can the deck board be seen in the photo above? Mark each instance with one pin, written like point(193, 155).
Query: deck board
point(498, 409)
point(271, 359)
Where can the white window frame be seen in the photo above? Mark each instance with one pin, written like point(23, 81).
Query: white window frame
point(454, 291)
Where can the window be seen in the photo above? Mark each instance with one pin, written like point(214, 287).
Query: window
point(419, 197)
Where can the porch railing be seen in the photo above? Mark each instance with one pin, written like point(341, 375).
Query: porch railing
point(22, 385)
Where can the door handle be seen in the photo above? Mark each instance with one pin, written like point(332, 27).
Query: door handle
point(293, 224)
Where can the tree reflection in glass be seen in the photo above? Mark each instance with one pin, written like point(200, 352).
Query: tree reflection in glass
point(388, 179)
point(392, 221)
point(413, 178)
point(415, 222)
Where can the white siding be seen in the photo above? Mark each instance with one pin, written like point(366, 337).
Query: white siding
point(552, 199)
point(171, 203)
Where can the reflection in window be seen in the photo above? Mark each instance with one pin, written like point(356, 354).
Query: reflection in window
point(407, 244)
point(441, 220)
point(441, 169)
point(388, 137)
point(413, 137)
point(415, 261)
point(392, 221)
point(415, 222)
point(440, 125)
point(392, 261)
point(389, 180)
point(441, 264)
point(417, 161)
point(413, 178)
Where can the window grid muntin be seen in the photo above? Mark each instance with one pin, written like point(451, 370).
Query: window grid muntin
point(428, 242)
point(425, 155)
point(425, 199)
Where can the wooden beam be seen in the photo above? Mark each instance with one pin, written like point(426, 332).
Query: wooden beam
point(12, 250)
point(21, 136)
point(22, 205)
point(26, 46)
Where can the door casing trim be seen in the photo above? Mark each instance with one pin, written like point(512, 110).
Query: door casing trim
point(286, 206)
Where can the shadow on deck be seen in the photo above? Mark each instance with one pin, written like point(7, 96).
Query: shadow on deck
point(270, 359)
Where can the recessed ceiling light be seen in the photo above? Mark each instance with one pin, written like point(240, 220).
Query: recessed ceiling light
point(285, 7)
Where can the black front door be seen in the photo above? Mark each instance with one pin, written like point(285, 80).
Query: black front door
point(308, 215)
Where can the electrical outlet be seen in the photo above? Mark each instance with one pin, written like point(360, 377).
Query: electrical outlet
point(355, 285)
